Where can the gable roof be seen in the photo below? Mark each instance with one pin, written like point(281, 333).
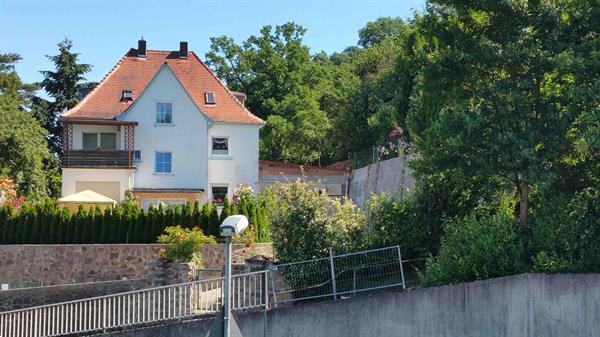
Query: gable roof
point(135, 73)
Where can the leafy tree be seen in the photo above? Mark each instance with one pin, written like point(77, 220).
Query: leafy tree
point(377, 31)
point(63, 86)
point(23, 154)
point(276, 71)
point(511, 80)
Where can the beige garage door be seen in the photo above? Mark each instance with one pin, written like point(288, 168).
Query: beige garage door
point(109, 189)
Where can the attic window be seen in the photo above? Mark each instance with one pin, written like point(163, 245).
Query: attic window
point(127, 95)
point(209, 98)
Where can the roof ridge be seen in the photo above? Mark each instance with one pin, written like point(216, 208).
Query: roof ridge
point(227, 89)
point(96, 88)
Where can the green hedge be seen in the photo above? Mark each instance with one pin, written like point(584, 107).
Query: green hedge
point(45, 223)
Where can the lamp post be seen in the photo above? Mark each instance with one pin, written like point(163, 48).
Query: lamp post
point(233, 225)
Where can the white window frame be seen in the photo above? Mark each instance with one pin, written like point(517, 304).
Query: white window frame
point(214, 98)
point(156, 122)
point(212, 150)
point(212, 197)
point(163, 173)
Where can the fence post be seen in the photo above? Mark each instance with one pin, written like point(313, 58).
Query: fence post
point(332, 273)
point(272, 268)
point(401, 269)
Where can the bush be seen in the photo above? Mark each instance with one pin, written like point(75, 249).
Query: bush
point(305, 222)
point(564, 234)
point(185, 244)
point(393, 221)
point(486, 243)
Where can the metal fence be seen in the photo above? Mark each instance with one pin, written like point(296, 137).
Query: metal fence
point(336, 275)
point(137, 307)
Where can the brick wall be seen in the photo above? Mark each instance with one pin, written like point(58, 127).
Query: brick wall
point(66, 264)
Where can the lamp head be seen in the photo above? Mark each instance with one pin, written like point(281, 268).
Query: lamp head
point(233, 225)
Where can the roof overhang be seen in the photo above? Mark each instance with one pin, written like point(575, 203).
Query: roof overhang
point(94, 121)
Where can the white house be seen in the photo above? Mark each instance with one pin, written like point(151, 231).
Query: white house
point(161, 125)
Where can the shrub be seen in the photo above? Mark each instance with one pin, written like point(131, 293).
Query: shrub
point(393, 221)
point(486, 243)
point(564, 233)
point(305, 222)
point(185, 244)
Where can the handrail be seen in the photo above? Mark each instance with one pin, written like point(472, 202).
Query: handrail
point(203, 297)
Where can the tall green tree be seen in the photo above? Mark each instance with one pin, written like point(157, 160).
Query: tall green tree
point(512, 80)
point(63, 86)
point(277, 72)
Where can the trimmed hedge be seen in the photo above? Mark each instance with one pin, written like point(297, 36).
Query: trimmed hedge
point(45, 223)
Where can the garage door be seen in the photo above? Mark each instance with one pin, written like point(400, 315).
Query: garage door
point(109, 189)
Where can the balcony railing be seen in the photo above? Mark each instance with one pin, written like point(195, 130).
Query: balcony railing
point(98, 158)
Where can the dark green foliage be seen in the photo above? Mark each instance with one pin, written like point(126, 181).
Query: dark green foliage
point(43, 222)
point(213, 222)
point(565, 233)
point(486, 243)
point(106, 226)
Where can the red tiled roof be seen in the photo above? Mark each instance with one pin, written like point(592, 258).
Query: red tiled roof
point(274, 167)
point(134, 73)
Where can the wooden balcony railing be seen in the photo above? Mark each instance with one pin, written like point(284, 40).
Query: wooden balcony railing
point(98, 158)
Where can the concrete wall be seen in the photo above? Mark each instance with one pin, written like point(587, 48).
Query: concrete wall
point(64, 264)
point(392, 176)
point(31, 297)
point(531, 305)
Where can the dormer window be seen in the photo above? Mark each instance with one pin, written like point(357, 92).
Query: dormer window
point(209, 97)
point(127, 95)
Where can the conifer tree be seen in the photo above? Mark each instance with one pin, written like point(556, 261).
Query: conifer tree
point(213, 221)
point(196, 215)
point(186, 215)
point(149, 223)
point(177, 216)
point(106, 226)
point(157, 224)
point(95, 230)
point(64, 226)
point(118, 228)
point(63, 86)
point(205, 216)
point(76, 226)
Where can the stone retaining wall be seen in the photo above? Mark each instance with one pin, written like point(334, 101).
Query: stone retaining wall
point(68, 264)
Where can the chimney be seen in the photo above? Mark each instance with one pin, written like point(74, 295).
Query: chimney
point(183, 50)
point(240, 96)
point(141, 51)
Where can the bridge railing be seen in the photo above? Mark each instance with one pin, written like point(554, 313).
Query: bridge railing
point(135, 307)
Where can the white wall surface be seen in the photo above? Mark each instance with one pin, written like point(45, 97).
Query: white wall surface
point(79, 130)
point(71, 175)
point(185, 138)
point(241, 165)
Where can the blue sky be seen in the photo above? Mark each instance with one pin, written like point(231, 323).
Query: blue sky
point(103, 31)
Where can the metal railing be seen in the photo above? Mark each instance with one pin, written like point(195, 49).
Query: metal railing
point(346, 274)
point(136, 307)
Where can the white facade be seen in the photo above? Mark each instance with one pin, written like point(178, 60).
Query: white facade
point(74, 178)
point(188, 138)
point(240, 165)
point(184, 138)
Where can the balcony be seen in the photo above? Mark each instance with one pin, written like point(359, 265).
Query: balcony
point(98, 159)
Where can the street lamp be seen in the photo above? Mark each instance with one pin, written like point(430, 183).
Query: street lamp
point(232, 225)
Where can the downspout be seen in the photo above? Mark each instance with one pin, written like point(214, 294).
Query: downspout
point(207, 147)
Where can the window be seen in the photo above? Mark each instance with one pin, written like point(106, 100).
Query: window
point(164, 113)
point(163, 162)
point(108, 141)
point(220, 145)
point(90, 141)
point(219, 194)
point(137, 155)
point(105, 141)
point(209, 97)
point(127, 95)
